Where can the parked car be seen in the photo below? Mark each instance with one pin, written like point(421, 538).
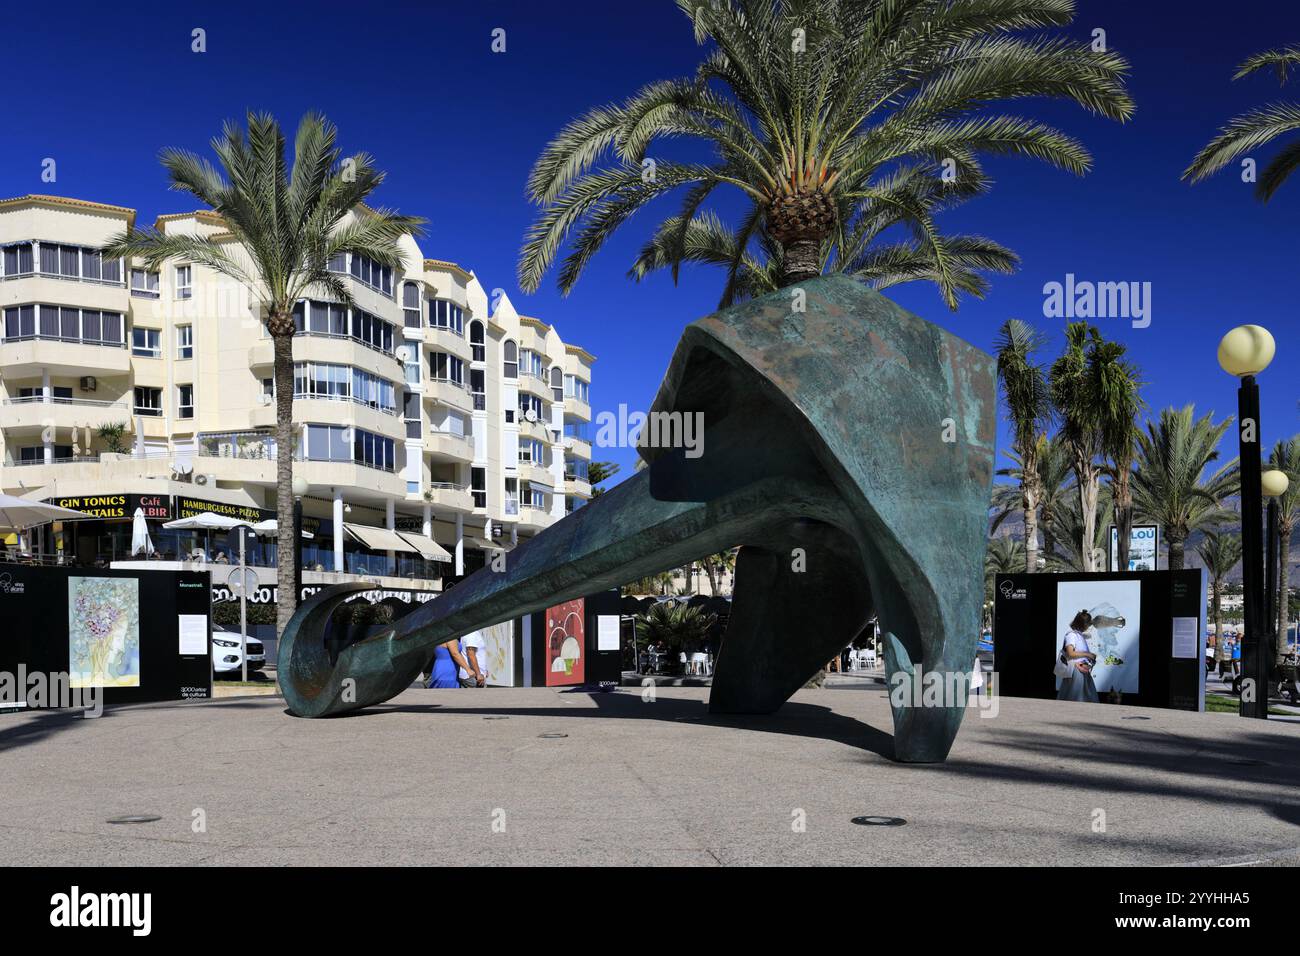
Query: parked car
point(225, 652)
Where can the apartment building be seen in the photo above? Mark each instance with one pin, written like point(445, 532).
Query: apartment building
point(433, 425)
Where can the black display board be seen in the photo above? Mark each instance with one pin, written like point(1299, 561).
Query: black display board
point(1028, 610)
point(603, 667)
point(35, 602)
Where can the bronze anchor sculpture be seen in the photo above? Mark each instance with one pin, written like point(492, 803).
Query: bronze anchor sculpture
point(847, 449)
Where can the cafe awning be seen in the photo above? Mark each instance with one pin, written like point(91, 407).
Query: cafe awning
point(482, 544)
point(378, 539)
point(425, 546)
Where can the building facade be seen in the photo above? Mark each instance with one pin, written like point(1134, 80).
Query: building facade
point(434, 425)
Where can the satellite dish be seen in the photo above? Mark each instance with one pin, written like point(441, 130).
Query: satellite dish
point(264, 398)
point(404, 353)
point(531, 415)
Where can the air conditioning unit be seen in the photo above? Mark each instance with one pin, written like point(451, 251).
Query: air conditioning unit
point(88, 383)
point(205, 479)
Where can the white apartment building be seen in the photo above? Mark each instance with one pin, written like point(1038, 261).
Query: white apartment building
point(433, 426)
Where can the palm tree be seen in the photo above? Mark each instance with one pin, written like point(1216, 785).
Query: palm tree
point(1073, 395)
point(675, 623)
point(829, 117)
point(1169, 487)
point(1054, 490)
point(1078, 552)
point(1220, 553)
point(1117, 390)
point(598, 471)
point(1256, 128)
point(284, 227)
point(715, 566)
point(1027, 400)
point(1286, 458)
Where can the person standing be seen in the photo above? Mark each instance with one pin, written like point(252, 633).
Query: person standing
point(473, 669)
point(1078, 661)
point(447, 658)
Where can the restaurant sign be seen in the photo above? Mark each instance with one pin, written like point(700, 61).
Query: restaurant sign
point(118, 506)
point(189, 507)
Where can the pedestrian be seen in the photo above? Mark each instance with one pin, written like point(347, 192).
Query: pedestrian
point(473, 669)
point(1075, 661)
point(447, 657)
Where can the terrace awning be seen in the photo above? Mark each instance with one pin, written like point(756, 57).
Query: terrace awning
point(378, 539)
point(427, 548)
point(482, 544)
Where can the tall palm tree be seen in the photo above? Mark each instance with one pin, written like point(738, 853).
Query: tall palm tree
point(1079, 552)
point(716, 565)
point(1074, 397)
point(1286, 458)
point(1220, 553)
point(1117, 389)
point(1256, 128)
point(1170, 488)
point(1054, 477)
point(1003, 555)
point(598, 471)
point(284, 227)
point(827, 116)
point(1028, 403)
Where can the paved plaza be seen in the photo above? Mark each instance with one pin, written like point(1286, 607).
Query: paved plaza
point(457, 777)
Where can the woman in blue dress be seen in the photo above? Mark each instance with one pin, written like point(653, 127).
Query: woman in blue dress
point(447, 662)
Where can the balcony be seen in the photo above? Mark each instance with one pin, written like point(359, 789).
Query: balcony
point(339, 349)
point(577, 447)
point(577, 409)
point(36, 413)
point(535, 385)
point(534, 519)
point(536, 473)
point(446, 391)
point(449, 446)
point(448, 494)
point(29, 355)
point(573, 485)
point(537, 429)
point(447, 340)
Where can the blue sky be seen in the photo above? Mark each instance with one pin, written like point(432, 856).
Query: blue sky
point(457, 128)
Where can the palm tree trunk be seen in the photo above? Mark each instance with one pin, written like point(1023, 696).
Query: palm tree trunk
point(712, 571)
point(286, 548)
point(1049, 537)
point(1176, 545)
point(1089, 486)
point(1030, 504)
point(1283, 592)
point(1123, 521)
point(800, 261)
point(1220, 645)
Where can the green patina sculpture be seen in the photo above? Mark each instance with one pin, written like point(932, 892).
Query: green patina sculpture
point(847, 449)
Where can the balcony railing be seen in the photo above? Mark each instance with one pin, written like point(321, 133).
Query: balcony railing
point(316, 396)
point(75, 339)
point(66, 460)
point(65, 400)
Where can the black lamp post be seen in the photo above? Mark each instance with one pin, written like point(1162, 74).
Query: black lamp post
point(1245, 352)
point(1273, 484)
point(300, 488)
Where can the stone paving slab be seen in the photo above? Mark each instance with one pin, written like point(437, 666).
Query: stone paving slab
point(427, 779)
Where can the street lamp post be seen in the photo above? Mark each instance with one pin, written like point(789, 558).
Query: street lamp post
point(1245, 352)
point(300, 488)
point(1273, 484)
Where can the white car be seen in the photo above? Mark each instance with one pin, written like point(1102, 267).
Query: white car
point(225, 652)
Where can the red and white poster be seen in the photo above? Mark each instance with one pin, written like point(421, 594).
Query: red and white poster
point(565, 640)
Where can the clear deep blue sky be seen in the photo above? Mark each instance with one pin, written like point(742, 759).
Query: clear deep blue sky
point(101, 87)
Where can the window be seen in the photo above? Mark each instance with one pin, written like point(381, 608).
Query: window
point(446, 315)
point(185, 341)
point(444, 367)
point(578, 430)
point(413, 369)
point(268, 388)
point(531, 452)
point(411, 305)
point(477, 345)
point(35, 454)
point(557, 383)
point(184, 275)
point(411, 413)
point(145, 343)
point(512, 496)
point(372, 273)
point(144, 284)
point(332, 318)
point(531, 497)
point(533, 404)
point(148, 401)
point(17, 260)
point(478, 486)
point(576, 388)
point(89, 326)
point(330, 443)
point(530, 363)
point(576, 468)
point(478, 389)
point(510, 352)
point(342, 382)
point(184, 401)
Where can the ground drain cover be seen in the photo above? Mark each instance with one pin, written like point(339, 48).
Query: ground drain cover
point(551, 736)
point(136, 818)
point(880, 821)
